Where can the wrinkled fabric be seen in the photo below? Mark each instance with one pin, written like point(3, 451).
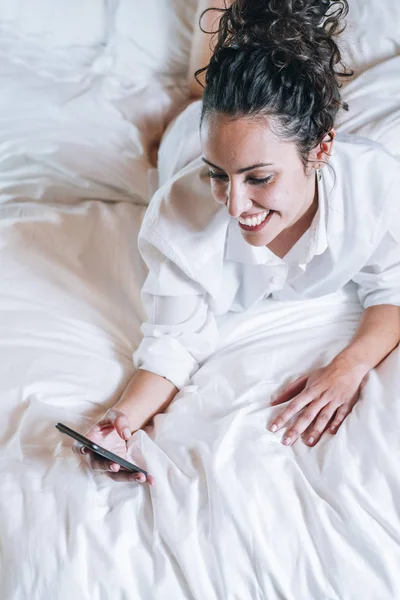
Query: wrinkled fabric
point(235, 515)
point(70, 131)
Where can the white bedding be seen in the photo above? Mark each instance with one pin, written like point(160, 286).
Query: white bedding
point(235, 515)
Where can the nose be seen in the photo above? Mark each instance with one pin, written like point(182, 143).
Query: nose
point(237, 200)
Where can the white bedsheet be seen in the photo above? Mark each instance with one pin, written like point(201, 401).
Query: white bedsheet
point(235, 515)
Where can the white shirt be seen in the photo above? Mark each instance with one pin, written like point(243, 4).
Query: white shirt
point(200, 266)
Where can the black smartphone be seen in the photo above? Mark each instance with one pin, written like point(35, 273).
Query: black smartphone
point(99, 450)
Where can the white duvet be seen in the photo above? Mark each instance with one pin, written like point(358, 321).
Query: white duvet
point(234, 515)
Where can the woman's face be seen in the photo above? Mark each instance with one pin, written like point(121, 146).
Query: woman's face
point(259, 177)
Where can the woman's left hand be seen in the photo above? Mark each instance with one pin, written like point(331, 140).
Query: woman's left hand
point(325, 397)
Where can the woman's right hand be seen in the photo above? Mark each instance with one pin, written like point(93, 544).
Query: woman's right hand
point(112, 433)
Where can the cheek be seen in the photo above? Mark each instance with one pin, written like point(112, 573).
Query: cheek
point(269, 197)
point(283, 197)
point(219, 191)
point(263, 196)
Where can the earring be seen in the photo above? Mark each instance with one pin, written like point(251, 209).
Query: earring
point(319, 173)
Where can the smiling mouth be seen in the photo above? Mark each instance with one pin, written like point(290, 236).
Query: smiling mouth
point(255, 223)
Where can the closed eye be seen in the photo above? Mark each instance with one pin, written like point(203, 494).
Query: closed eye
point(217, 176)
point(260, 182)
point(251, 180)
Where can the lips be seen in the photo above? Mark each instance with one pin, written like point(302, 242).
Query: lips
point(253, 220)
point(257, 227)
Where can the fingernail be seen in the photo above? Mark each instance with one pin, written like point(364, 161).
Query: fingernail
point(310, 440)
point(274, 427)
point(333, 429)
point(126, 433)
point(287, 441)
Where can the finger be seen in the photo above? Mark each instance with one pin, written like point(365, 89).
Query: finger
point(122, 426)
point(114, 469)
point(99, 464)
point(151, 480)
point(132, 477)
point(297, 404)
point(321, 423)
point(292, 390)
point(339, 417)
point(125, 476)
point(78, 448)
point(101, 426)
point(141, 477)
point(107, 422)
point(306, 418)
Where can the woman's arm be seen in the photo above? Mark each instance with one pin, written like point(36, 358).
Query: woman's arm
point(202, 42)
point(146, 395)
point(377, 335)
point(329, 394)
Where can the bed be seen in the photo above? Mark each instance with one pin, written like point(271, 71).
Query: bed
point(87, 89)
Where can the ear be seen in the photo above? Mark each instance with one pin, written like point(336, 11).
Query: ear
point(321, 153)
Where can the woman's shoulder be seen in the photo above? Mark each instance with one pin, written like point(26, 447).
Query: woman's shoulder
point(355, 155)
point(180, 144)
point(184, 221)
point(361, 186)
point(362, 172)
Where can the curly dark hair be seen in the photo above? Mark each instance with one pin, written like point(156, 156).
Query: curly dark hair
point(277, 59)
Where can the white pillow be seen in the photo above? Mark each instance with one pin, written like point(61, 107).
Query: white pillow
point(372, 34)
point(152, 37)
point(132, 41)
point(58, 22)
point(70, 127)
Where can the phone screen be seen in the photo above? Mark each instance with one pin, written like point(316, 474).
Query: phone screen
point(99, 449)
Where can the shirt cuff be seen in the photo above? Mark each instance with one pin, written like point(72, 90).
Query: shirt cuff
point(380, 297)
point(167, 358)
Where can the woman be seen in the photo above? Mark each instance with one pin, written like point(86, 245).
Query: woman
point(294, 213)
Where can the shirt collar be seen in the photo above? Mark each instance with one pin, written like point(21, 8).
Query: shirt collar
point(238, 250)
point(318, 241)
point(312, 243)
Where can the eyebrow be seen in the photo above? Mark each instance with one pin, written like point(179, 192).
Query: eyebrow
point(257, 166)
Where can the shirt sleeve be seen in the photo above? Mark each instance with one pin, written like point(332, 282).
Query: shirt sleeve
point(180, 331)
point(379, 280)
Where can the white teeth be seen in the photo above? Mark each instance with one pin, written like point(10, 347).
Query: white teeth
point(254, 221)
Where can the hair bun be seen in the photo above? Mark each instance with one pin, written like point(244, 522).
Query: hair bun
point(292, 30)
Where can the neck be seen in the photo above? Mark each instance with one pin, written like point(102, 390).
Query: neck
point(288, 237)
